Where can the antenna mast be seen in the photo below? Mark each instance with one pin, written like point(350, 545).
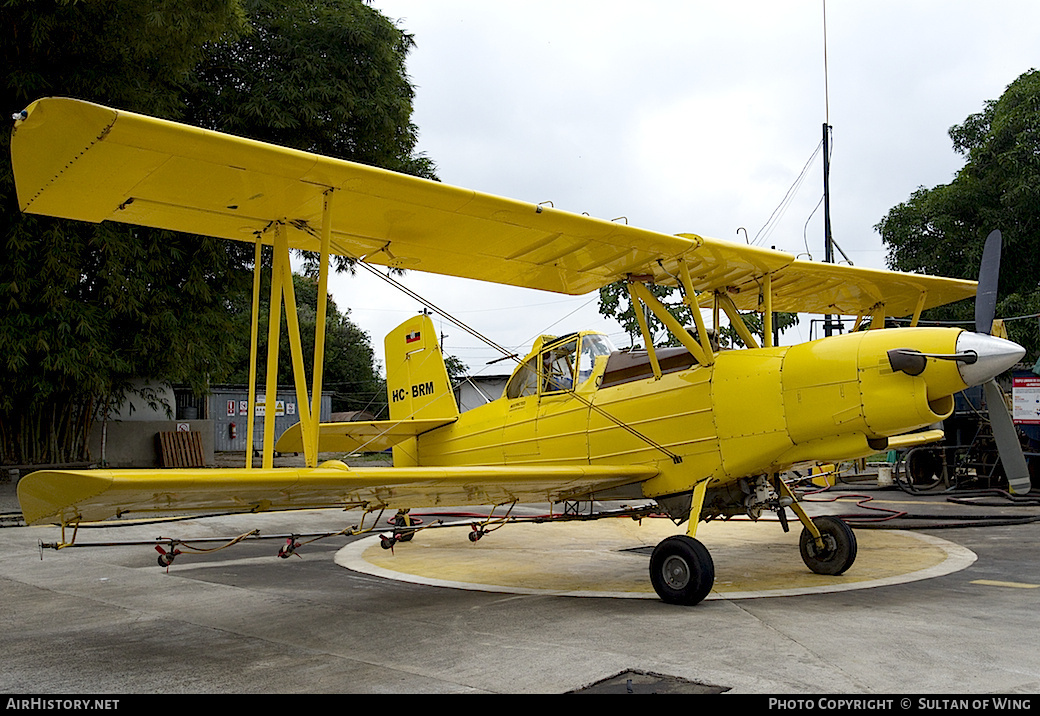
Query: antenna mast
point(828, 246)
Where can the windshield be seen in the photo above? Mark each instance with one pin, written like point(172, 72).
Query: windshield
point(593, 345)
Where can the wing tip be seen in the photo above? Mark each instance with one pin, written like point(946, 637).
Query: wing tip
point(52, 495)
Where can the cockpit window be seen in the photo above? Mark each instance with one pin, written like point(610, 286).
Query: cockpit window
point(524, 381)
point(558, 367)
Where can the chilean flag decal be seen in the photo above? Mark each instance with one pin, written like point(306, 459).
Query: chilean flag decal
point(412, 337)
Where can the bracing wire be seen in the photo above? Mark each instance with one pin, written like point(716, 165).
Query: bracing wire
point(785, 203)
point(506, 352)
point(509, 354)
point(439, 311)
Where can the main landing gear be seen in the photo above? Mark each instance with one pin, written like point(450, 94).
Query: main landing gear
point(682, 571)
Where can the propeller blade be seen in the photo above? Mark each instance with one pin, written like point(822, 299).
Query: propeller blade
point(1006, 435)
point(989, 275)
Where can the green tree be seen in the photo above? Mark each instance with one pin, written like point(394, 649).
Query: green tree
point(942, 230)
point(457, 370)
point(324, 76)
point(85, 309)
point(614, 302)
point(349, 367)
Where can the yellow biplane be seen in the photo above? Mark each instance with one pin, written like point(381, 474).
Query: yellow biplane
point(704, 433)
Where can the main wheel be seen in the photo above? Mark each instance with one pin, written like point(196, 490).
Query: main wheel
point(839, 551)
point(681, 570)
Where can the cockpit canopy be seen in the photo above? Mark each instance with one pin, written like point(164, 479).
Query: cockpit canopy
point(558, 364)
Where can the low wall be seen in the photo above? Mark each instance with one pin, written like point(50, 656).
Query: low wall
point(132, 443)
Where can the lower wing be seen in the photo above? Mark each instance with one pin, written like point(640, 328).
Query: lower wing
point(67, 496)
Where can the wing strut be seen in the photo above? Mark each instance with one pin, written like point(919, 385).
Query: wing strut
point(274, 320)
point(634, 296)
point(765, 299)
point(253, 335)
point(283, 293)
point(319, 325)
point(690, 299)
point(675, 328)
point(723, 299)
point(292, 321)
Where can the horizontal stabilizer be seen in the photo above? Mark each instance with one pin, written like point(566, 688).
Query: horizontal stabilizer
point(92, 495)
point(361, 436)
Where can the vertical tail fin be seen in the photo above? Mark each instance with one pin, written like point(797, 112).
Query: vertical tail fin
point(417, 381)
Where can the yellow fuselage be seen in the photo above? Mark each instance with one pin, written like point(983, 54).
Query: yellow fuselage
point(752, 412)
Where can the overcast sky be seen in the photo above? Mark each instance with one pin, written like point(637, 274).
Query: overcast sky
point(687, 116)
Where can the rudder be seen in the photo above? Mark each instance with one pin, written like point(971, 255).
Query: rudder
point(417, 383)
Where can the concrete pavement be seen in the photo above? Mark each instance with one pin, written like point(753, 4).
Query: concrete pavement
point(445, 618)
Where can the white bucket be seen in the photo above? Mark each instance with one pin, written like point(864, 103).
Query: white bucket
point(884, 476)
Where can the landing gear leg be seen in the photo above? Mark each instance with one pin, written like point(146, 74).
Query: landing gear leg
point(827, 544)
point(681, 570)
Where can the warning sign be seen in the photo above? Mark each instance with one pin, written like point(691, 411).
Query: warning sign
point(1026, 400)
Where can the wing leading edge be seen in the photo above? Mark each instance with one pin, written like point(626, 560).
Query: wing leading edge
point(79, 160)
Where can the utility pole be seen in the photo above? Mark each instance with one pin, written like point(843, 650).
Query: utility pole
point(828, 247)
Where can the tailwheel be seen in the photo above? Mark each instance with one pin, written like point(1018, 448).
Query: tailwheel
point(838, 551)
point(681, 570)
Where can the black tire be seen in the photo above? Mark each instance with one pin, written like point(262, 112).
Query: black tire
point(924, 468)
point(681, 570)
point(840, 550)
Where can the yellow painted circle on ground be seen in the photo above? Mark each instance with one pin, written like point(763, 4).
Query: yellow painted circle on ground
point(610, 558)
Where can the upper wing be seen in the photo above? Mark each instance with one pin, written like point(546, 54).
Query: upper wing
point(90, 495)
point(83, 161)
point(807, 287)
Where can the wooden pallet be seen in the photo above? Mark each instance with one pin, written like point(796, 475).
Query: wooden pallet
point(181, 449)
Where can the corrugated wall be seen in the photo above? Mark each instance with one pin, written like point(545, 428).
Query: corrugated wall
point(230, 406)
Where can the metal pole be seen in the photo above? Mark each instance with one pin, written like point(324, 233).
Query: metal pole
point(828, 251)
